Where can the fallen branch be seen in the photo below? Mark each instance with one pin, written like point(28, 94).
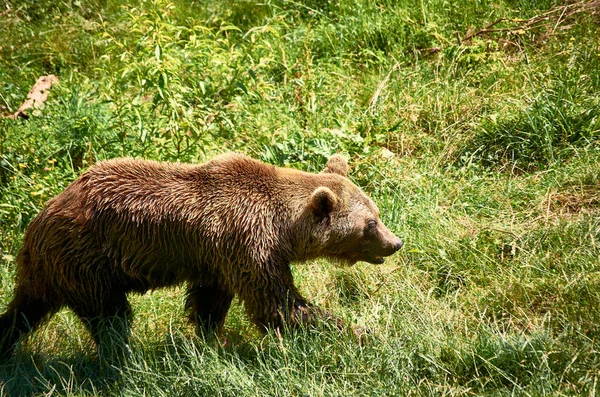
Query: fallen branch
point(36, 96)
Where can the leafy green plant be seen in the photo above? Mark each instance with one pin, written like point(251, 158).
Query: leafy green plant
point(171, 85)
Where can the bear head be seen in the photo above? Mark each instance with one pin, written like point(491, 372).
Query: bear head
point(349, 226)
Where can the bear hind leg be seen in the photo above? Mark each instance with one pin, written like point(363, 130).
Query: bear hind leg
point(108, 321)
point(207, 307)
point(23, 315)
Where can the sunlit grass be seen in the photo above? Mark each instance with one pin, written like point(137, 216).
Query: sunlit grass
point(481, 154)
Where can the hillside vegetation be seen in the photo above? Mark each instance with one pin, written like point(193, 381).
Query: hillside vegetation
point(474, 125)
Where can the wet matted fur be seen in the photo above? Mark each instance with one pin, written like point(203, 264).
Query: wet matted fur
point(227, 227)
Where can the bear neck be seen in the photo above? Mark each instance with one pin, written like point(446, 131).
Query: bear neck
point(306, 234)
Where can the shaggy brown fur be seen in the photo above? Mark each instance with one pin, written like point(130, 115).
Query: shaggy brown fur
point(228, 227)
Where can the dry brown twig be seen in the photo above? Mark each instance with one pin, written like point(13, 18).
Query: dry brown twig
point(550, 19)
point(553, 20)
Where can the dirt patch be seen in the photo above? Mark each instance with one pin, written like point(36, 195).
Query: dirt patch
point(573, 200)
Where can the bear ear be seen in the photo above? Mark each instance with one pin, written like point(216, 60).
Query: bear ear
point(337, 165)
point(323, 201)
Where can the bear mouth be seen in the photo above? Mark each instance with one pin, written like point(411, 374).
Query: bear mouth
point(372, 258)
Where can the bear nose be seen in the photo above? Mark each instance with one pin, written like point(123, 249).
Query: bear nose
point(397, 245)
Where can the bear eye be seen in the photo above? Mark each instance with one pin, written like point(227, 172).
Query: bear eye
point(372, 224)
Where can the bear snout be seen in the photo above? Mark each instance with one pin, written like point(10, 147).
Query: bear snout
point(392, 246)
point(378, 251)
point(397, 244)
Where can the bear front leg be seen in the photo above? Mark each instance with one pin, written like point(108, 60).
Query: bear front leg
point(271, 307)
point(275, 301)
point(208, 307)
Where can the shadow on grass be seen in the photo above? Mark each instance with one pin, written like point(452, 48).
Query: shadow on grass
point(231, 365)
point(27, 374)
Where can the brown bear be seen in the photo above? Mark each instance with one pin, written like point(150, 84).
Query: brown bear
point(227, 227)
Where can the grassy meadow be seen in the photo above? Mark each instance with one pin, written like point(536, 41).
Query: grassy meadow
point(475, 126)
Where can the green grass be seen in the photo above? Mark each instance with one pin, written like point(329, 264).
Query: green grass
point(482, 154)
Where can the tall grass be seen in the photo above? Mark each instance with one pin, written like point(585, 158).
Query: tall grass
point(482, 154)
